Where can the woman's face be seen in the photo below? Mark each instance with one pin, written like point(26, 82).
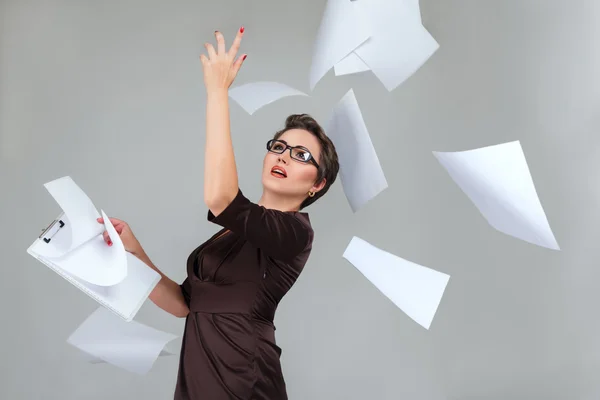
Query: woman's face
point(298, 178)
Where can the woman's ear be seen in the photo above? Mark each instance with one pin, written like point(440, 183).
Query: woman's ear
point(318, 186)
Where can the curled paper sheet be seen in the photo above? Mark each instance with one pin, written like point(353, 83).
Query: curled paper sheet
point(398, 45)
point(253, 96)
point(340, 32)
point(415, 289)
point(497, 180)
point(129, 345)
point(79, 214)
point(360, 172)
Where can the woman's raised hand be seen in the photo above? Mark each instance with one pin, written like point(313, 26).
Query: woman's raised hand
point(129, 240)
point(221, 67)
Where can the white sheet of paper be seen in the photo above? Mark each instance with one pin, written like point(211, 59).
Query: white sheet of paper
point(351, 64)
point(399, 44)
point(360, 172)
point(497, 180)
point(78, 248)
point(129, 345)
point(80, 216)
point(108, 274)
point(415, 289)
point(341, 31)
point(94, 261)
point(124, 298)
point(252, 96)
point(416, 8)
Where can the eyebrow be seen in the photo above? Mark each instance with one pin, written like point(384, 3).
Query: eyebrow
point(302, 147)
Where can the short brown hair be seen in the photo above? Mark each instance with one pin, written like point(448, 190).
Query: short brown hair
point(328, 161)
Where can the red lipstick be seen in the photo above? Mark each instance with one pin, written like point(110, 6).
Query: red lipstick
point(278, 172)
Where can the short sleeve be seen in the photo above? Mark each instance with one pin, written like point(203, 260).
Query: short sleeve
point(279, 234)
point(186, 291)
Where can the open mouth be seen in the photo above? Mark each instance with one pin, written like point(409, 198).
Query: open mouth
point(278, 172)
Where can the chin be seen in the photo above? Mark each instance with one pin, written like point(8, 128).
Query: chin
point(278, 186)
point(272, 185)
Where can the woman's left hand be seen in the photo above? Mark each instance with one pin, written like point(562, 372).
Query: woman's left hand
point(220, 67)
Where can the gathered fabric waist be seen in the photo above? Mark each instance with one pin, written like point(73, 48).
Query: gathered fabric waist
point(211, 297)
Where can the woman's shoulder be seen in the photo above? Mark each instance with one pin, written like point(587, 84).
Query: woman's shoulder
point(303, 218)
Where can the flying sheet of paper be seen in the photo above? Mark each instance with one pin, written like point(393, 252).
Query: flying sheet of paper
point(253, 96)
point(497, 180)
point(399, 44)
point(360, 172)
point(351, 64)
point(415, 289)
point(129, 345)
point(416, 9)
point(341, 31)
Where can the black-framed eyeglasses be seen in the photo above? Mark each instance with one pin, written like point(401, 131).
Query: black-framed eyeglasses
point(298, 153)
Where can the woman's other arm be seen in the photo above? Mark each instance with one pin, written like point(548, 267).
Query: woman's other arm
point(167, 293)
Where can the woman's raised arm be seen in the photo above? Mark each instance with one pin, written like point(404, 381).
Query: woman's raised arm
point(220, 173)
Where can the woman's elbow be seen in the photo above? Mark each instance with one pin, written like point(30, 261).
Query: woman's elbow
point(182, 313)
point(218, 204)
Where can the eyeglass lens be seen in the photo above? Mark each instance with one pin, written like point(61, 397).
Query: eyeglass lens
point(297, 153)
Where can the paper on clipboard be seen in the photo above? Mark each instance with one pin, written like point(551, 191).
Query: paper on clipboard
point(79, 216)
point(78, 247)
point(108, 274)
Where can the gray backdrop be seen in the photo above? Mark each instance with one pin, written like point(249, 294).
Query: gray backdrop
point(111, 93)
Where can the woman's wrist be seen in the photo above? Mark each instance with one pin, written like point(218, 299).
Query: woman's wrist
point(138, 251)
point(217, 93)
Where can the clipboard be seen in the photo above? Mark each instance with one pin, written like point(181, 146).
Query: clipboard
point(72, 245)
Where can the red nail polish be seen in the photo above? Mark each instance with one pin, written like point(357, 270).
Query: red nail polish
point(242, 29)
point(110, 243)
point(245, 55)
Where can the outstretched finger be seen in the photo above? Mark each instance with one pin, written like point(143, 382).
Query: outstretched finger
point(236, 43)
point(238, 63)
point(220, 43)
point(211, 51)
point(203, 59)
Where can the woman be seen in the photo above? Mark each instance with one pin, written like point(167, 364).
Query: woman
point(237, 278)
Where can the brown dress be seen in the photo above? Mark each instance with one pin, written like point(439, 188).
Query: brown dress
point(235, 282)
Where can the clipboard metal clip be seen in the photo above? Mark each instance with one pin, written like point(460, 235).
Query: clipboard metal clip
point(52, 229)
